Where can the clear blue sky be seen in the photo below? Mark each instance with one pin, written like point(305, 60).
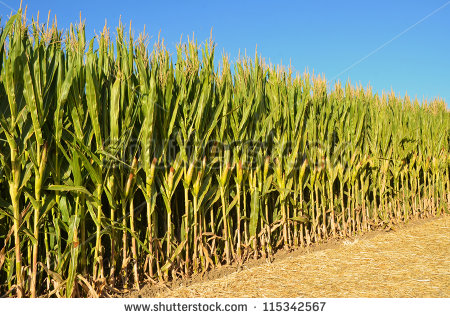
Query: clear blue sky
point(324, 36)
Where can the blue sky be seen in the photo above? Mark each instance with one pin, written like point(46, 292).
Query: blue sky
point(324, 36)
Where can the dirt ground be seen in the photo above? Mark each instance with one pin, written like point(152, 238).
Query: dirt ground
point(411, 260)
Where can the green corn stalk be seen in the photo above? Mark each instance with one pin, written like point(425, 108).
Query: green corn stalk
point(85, 136)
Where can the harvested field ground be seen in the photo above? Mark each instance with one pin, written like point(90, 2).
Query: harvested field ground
point(410, 260)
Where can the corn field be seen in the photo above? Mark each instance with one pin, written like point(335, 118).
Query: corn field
point(122, 165)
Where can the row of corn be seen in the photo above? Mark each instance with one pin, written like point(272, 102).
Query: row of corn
point(120, 165)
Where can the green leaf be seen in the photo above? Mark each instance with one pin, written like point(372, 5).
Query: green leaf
point(300, 219)
point(169, 263)
point(79, 189)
